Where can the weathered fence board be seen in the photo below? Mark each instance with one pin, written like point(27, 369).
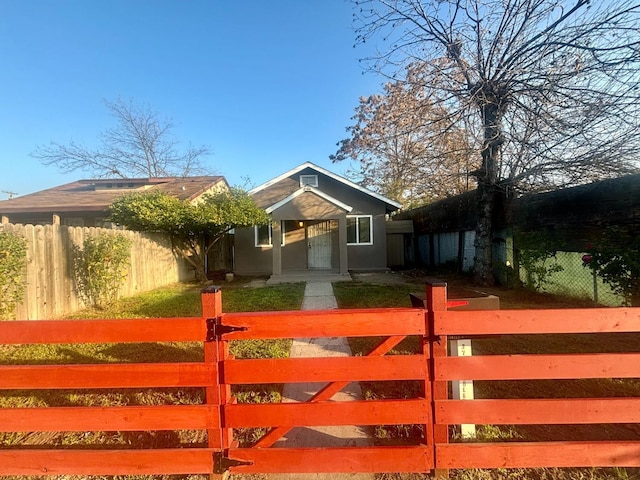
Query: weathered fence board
point(50, 284)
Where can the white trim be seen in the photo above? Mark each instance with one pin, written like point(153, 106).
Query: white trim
point(270, 244)
point(255, 233)
point(357, 242)
point(338, 178)
point(300, 191)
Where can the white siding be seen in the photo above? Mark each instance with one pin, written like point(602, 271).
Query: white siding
point(446, 247)
point(469, 250)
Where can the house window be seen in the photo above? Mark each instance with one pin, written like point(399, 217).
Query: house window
point(310, 180)
point(264, 234)
point(359, 230)
point(74, 222)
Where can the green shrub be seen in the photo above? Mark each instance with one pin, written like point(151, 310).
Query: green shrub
point(615, 258)
point(13, 260)
point(537, 256)
point(101, 268)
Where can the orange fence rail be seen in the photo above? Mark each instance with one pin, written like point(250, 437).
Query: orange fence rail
point(220, 415)
point(527, 411)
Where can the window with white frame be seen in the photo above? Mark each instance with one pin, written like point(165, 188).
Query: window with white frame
point(359, 230)
point(310, 180)
point(264, 234)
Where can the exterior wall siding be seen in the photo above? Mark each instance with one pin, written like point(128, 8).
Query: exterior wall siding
point(371, 257)
point(294, 251)
point(249, 259)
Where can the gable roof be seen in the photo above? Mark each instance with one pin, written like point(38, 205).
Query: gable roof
point(97, 194)
point(332, 175)
point(314, 190)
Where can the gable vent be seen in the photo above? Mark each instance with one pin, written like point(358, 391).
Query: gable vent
point(309, 180)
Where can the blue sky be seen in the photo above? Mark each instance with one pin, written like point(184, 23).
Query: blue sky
point(267, 85)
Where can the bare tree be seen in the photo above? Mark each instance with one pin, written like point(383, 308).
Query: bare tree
point(404, 148)
point(140, 145)
point(551, 86)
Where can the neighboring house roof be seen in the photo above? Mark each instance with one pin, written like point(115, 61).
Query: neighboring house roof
point(388, 201)
point(98, 194)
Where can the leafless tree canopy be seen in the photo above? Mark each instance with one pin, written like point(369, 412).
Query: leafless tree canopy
point(140, 145)
point(551, 87)
point(404, 148)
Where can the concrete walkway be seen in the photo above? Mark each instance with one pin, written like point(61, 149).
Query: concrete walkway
point(319, 296)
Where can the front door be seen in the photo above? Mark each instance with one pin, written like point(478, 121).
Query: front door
point(319, 243)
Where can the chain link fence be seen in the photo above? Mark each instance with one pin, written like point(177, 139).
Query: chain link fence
point(568, 276)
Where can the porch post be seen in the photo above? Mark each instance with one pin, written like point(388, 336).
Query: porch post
point(342, 241)
point(276, 249)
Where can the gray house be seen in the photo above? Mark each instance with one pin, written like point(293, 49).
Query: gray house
point(320, 222)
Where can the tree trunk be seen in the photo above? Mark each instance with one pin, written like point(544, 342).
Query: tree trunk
point(487, 180)
point(483, 264)
point(201, 275)
point(191, 254)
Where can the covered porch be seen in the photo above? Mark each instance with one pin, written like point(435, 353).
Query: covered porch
point(304, 250)
point(309, 236)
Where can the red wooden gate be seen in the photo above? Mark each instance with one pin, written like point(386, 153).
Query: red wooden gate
point(220, 415)
point(391, 326)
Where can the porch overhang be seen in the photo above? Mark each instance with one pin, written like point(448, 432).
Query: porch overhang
point(308, 207)
point(308, 189)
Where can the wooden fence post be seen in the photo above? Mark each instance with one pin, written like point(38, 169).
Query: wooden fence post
point(436, 297)
point(214, 353)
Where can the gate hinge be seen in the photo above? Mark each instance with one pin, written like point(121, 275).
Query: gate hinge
point(221, 463)
point(215, 330)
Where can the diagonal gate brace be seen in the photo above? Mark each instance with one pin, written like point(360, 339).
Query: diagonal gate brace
point(328, 391)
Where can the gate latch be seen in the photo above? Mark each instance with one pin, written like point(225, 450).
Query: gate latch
point(215, 330)
point(221, 463)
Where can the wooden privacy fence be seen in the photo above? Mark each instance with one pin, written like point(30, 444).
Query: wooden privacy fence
point(220, 416)
point(49, 277)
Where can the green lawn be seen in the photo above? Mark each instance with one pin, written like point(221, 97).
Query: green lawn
point(364, 295)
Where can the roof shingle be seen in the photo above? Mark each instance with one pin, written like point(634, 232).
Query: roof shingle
point(97, 195)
